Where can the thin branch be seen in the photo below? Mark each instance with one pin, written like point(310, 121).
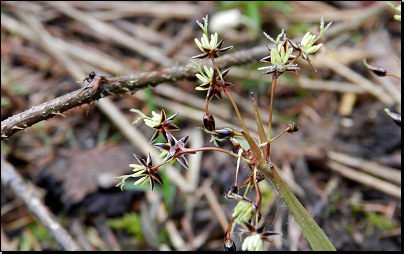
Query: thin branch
point(116, 85)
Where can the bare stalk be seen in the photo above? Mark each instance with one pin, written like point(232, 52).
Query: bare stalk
point(271, 106)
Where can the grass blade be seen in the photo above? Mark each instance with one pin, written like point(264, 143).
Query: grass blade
point(314, 235)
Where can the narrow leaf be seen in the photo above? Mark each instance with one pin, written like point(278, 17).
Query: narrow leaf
point(260, 127)
point(314, 235)
point(254, 147)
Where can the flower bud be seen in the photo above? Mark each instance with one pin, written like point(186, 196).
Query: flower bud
point(209, 122)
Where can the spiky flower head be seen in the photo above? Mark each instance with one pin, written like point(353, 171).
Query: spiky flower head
point(306, 45)
point(205, 43)
point(206, 79)
point(174, 150)
point(159, 122)
point(149, 121)
point(145, 170)
point(209, 48)
point(257, 236)
point(252, 243)
point(280, 56)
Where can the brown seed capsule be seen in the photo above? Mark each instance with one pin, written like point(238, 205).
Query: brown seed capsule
point(224, 133)
point(396, 117)
point(379, 71)
point(230, 191)
point(209, 122)
point(229, 245)
point(292, 127)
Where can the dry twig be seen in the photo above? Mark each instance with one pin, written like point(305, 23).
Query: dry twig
point(116, 85)
point(24, 191)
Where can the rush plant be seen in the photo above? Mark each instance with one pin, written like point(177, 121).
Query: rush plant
point(256, 152)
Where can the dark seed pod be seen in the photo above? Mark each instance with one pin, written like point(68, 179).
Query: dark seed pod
point(260, 176)
point(230, 191)
point(396, 117)
point(379, 71)
point(224, 133)
point(292, 127)
point(229, 245)
point(209, 122)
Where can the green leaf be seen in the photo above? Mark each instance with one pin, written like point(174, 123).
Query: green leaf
point(260, 127)
point(254, 147)
point(314, 235)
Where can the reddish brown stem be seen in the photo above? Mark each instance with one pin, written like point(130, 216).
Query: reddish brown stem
point(271, 106)
point(217, 149)
point(257, 191)
point(226, 91)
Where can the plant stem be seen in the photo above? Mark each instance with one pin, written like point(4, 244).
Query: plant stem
point(217, 149)
point(391, 75)
point(298, 55)
point(239, 153)
point(257, 193)
point(280, 134)
point(217, 69)
point(226, 91)
point(271, 106)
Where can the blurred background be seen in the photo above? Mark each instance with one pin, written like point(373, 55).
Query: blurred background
point(344, 164)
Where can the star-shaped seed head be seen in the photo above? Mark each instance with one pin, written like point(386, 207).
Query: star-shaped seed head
point(254, 241)
point(174, 150)
point(164, 126)
point(280, 57)
point(158, 122)
point(306, 45)
point(215, 85)
point(146, 169)
point(209, 48)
